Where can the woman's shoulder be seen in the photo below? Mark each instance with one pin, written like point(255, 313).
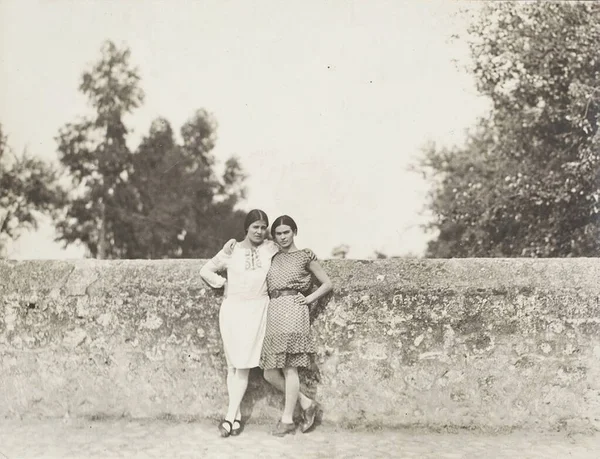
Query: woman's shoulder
point(309, 254)
point(229, 247)
point(270, 247)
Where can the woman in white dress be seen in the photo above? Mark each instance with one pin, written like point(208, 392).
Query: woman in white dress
point(243, 313)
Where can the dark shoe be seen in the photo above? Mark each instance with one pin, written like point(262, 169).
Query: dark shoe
point(283, 428)
point(224, 432)
point(309, 417)
point(237, 427)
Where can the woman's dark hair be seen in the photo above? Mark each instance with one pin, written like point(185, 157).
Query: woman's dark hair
point(254, 216)
point(284, 220)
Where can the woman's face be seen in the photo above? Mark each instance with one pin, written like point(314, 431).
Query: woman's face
point(257, 232)
point(284, 236)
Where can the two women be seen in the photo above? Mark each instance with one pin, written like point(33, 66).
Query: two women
point(285, 329)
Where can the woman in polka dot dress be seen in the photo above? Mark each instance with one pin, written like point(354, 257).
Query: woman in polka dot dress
point(288, 343)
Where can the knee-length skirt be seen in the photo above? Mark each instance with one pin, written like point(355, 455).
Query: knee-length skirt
point(242, 323)
point(288, 340)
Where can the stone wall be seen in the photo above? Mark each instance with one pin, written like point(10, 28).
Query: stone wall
point(466, 343)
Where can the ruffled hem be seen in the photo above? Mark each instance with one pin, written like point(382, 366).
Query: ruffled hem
point(283, 360)
point(288, 343)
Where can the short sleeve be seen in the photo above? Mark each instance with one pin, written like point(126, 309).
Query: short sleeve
point(310, 256)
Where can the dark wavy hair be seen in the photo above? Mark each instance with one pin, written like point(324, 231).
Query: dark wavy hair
point(253, 216)
point(284, 220)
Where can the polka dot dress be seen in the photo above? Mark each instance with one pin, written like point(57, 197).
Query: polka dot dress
point(288, 342)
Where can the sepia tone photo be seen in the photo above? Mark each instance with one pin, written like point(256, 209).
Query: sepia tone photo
point(319, 229)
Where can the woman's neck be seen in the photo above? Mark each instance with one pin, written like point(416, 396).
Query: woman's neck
point(249, 244)
point(291, 248)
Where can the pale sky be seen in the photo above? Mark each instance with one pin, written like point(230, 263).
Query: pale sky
point(326, 102)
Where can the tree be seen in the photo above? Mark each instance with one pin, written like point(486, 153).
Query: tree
point(181, 208)
point(28, 188)
point(95, 152)
point(526, 182)
point(164, 199)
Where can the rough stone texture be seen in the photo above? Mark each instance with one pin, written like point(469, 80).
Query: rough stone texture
point(466, 343)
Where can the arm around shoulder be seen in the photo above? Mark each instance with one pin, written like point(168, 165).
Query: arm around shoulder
point(228, 247)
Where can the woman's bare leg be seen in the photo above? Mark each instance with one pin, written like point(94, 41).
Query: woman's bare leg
point(292, 390)
point(276, 379)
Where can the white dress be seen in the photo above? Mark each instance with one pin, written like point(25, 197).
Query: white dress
point(243, 314)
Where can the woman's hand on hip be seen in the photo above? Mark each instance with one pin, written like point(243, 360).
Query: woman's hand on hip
point(300, 299)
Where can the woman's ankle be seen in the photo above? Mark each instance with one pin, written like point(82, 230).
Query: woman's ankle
point(305, 402)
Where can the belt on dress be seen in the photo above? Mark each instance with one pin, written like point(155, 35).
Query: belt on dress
point(282, 292)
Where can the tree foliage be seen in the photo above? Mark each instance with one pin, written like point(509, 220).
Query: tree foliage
point(95, 152)
point(161, 200)
point(181, 208)
point(526, 182)
point(28, 188)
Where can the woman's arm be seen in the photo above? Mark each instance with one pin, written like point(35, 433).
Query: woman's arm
point(271, 247)
point(326, 286)
point(210, 271)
